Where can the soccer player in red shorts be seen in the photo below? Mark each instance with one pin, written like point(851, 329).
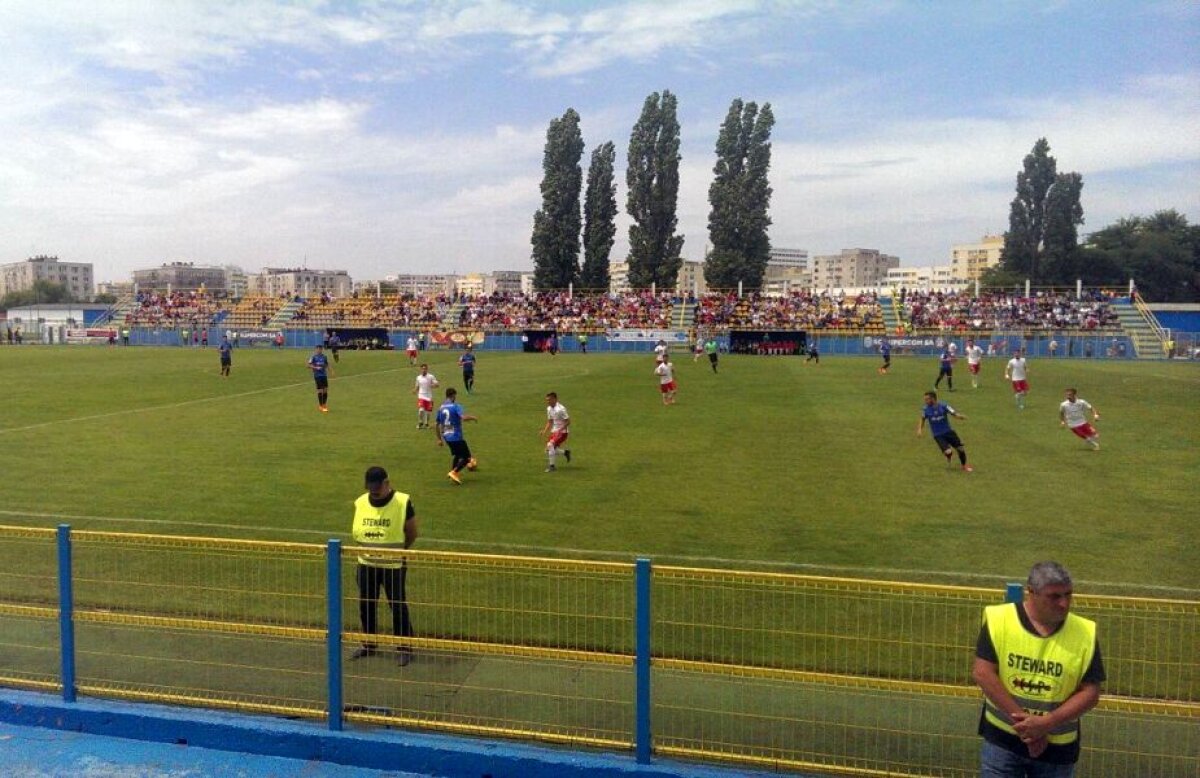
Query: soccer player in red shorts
point(1073, 413)
point(1017, 372)
point(558, 423)
point(423, 388)
point(666, 379)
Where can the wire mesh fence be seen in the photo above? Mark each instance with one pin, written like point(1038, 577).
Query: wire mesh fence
point(782, 671)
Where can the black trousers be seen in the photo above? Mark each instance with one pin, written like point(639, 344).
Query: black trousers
point(460, 454)
point(392, 580)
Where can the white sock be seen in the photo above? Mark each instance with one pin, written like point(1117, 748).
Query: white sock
point(551, 454)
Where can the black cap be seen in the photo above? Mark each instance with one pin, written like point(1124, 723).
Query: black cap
point(375, 476)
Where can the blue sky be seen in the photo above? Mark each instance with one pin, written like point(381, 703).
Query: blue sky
point(400, 137)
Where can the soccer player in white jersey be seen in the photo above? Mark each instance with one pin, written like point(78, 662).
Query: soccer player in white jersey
point(974, 357)
point(1072, 413)
point(666, 379)
point(1016, 371)
point(410, 350)
point(425, 384)
point(558, 423)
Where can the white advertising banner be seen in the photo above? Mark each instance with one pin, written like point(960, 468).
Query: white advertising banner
point(647, 336)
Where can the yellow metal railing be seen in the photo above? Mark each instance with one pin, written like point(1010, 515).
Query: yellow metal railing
point(775, 671)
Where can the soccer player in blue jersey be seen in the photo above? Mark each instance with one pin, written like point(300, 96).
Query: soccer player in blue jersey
point(318, 363)
point(467, 363)
point(225, 350)
point(946, 368)
point(938, 415)
point(448, 426)
point(885, 350)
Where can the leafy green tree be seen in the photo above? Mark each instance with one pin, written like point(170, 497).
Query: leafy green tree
point(652, 178)
point(105, 298)
point(1161, 253)
point(600, 213)
point(556, 225)
point(1043, 217)
point(42, 291)
point(740, 196)
point(1064, 214)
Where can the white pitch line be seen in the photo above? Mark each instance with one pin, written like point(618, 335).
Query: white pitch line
point(183, 404)
point(528, 550)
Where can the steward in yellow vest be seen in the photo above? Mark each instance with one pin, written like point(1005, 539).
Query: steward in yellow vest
point(1040, 670)
point(384, 518)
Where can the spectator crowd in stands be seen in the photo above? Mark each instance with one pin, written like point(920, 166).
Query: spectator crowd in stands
point(174, 309)
point(1007, 311)
point(565, 312)
point(802, 310)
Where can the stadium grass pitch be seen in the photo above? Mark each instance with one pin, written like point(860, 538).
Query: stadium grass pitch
point(770, 463)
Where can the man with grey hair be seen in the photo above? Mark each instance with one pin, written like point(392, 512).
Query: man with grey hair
point(1040, 670)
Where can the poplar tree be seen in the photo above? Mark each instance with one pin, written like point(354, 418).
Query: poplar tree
point(599, 223)
point(1043, 218)
point(740, 197)
point(652, 178)
point(556, 224)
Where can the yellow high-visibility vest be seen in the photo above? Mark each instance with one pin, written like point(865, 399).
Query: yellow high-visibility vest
point(380, 527)
point(1039, 672)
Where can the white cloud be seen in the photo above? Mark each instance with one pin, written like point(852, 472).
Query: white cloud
point(256, 132)
point(952, 179)
point(316, 118)
point(452, 20)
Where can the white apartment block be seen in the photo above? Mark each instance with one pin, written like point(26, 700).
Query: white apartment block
point(691, 278)
point(274, 282)
point(852, 268)
point(236, 282)
point(418, 284)
point(923, 277)
point(969, 260)
point(75, 276)
point(781, 281)
point(504, 282)
point(181, 276)
point(618, 277)
point(117, 289)
point(471, 285)
point(486, 284)
point(782, 257)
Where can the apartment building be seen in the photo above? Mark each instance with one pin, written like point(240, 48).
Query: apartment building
point(77, 277)
point(852, 268)
point(181, 276)
point(274, 281)
point(969, 260)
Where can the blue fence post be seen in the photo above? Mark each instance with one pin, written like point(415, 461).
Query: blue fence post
point(66, 613)
point(333, 595)
point(642, 736)
point(1014, 592)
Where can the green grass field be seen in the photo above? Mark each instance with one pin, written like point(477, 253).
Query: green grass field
point(771, 463)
